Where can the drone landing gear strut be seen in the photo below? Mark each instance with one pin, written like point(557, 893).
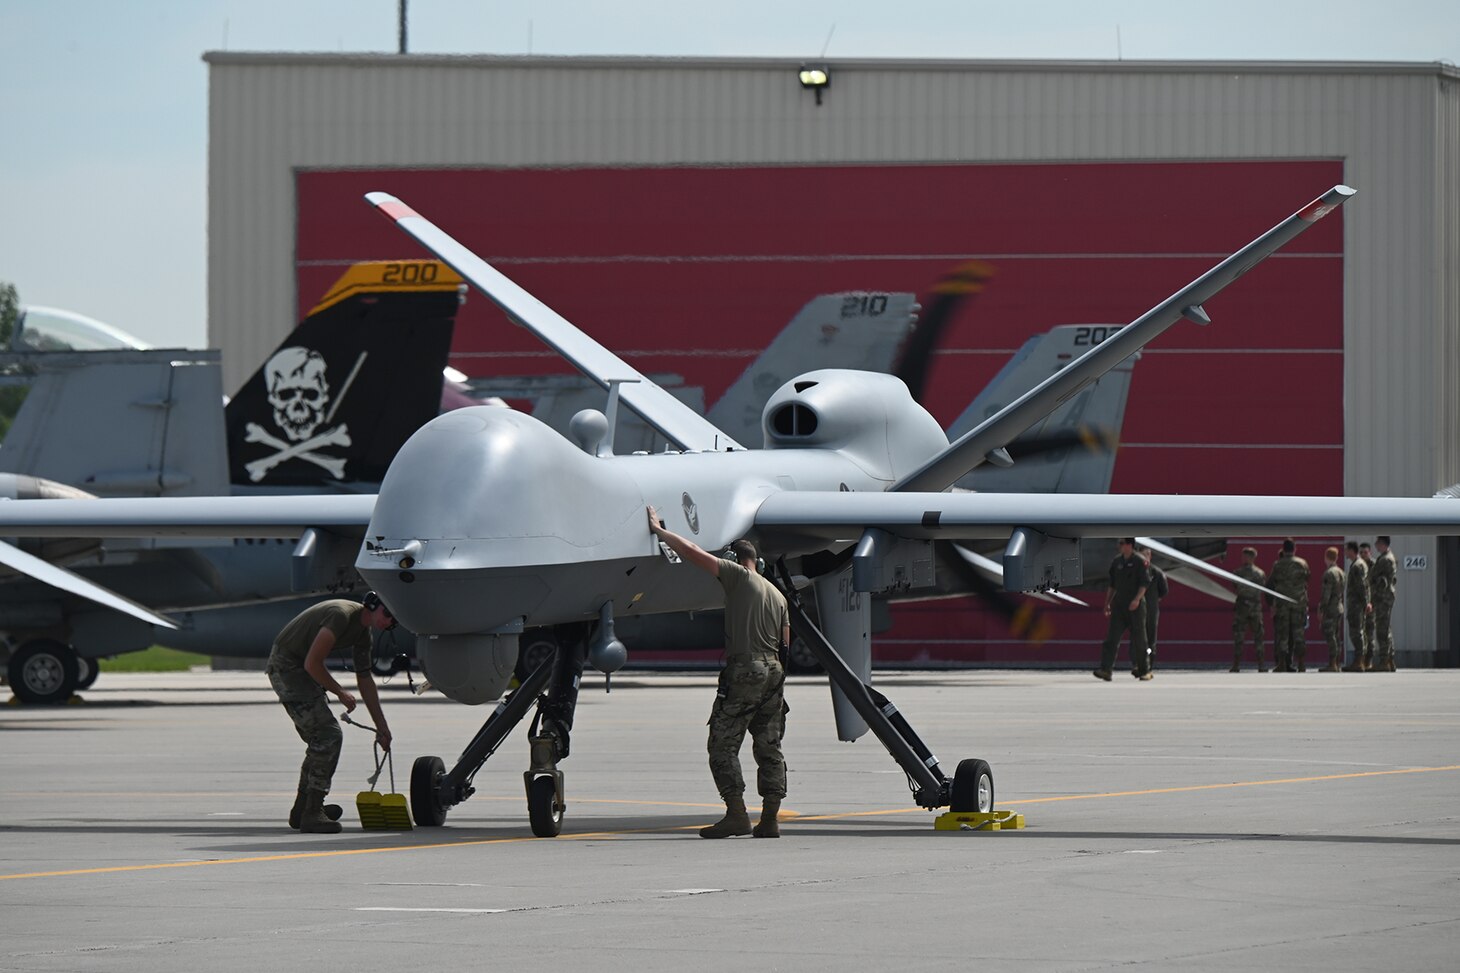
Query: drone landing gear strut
point(434, 790)
point(970, 789)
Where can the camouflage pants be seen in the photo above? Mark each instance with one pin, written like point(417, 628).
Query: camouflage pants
point(1383, 643)
point(751, 697)
point(1288, 623)
point(1333, 635)
point(1371, 642)
point(1153, 618)
point(1122, 618)
point(1359, 623)
point(304, 701)
point(1248, 619)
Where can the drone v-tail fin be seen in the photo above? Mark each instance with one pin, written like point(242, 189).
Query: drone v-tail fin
point(676, 421)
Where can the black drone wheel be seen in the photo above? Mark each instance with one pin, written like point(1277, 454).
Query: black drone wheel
point(973, 787)
point(542, 807)
point(801, 660)
point(534, 651)
point(425, 797)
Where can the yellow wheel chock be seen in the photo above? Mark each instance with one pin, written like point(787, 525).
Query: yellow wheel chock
point(381, 812)
point(978, 821)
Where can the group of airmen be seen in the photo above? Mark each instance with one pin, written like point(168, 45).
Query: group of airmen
point(1364, 595)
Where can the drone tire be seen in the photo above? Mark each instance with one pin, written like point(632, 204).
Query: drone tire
point(973, 787)
point(425, 796)
point(542, 807)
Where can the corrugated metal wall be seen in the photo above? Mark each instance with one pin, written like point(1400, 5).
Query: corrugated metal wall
point(1396, 127)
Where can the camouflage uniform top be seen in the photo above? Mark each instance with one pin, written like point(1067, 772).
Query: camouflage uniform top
point(1128, 575)
point(1357, 591)
point(1384, 578)
point(755, 614)
point(341, 616)
point(1249, 598)
point(1290, 577)
point(1331, 601)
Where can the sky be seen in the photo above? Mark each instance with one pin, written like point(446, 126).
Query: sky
point(104, 103)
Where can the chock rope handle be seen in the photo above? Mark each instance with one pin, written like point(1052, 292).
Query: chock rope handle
point(381, 760)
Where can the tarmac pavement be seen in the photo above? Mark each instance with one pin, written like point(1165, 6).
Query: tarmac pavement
point(1200, 821)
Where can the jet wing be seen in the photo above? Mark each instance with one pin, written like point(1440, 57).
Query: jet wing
point(676, 421)
point(1000, 429)
point(828, 516)
point(256, 516)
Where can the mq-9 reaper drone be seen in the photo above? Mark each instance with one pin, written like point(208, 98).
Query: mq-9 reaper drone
point(489, 522)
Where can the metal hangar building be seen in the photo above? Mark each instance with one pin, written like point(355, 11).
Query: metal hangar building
point(681, 210)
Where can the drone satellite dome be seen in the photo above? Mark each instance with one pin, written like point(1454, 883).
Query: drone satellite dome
point(870, 418)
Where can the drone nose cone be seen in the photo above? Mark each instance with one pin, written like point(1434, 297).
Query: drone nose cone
point(490, 500)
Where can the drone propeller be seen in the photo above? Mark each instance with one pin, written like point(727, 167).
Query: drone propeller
point(1023, 615)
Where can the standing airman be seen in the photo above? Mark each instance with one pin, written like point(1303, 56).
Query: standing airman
point(1159, 589)
point(1247, 613)
point(1370, 640)
point(1360, 608)
point(1125, 606)
point(1330, 608)
point(1383, 580)
point(1290, 577)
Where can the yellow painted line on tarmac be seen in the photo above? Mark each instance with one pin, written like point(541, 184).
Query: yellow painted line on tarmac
point(1160, 790)
point(588, 835)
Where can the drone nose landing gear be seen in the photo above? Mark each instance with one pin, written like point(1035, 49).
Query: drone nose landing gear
point(434, 790)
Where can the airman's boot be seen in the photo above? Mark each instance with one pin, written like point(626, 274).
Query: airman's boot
point(769, 824)
point(736, 821)
point(331, 811)
point(312, 818)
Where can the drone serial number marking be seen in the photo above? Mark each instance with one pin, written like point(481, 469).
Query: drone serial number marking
point(416, 273)
point(864, 305)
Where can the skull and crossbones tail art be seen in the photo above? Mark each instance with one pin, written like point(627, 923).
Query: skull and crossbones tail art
point(299, 394)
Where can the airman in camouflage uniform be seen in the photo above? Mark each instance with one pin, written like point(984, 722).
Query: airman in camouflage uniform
point(1289, 577)
point(1371, 641)
point(1247, 613)
point(298, 675)
point(1360, 608)
point(751, 694)
point(1330, 609)
point(1383, 581)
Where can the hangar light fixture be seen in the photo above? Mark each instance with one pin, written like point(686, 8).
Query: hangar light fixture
point(818, 79)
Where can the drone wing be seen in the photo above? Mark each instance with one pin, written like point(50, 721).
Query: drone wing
point(826, 516)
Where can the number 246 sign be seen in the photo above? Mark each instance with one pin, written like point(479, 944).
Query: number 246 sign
point(1416, 562)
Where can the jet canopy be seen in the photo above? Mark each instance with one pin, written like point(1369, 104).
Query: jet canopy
point(52, 329)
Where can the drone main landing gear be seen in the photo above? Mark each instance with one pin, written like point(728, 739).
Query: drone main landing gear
point(434, 790)
point(969, 791)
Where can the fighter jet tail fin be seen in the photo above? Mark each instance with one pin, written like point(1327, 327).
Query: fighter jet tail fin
point(360, 373)
point(852, 329)
point(1074, 454)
